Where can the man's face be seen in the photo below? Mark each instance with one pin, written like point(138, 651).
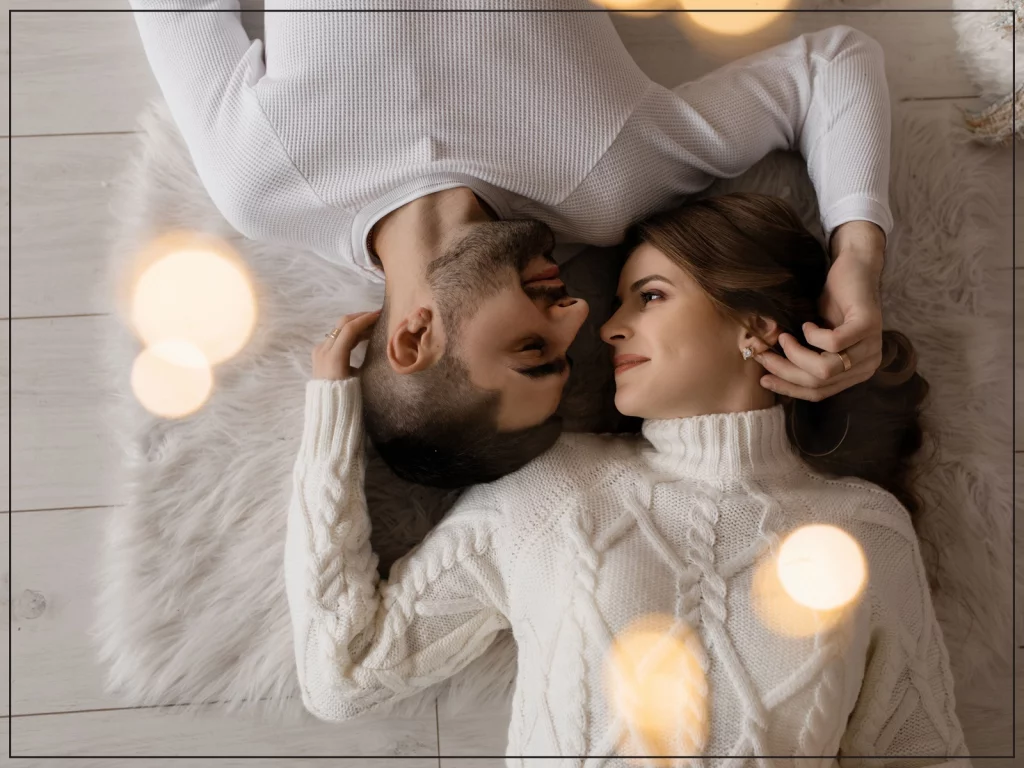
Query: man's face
point(516, 319)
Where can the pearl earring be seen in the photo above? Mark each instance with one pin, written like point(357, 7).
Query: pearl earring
point(747, 353)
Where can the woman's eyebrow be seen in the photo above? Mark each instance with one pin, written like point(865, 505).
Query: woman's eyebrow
point(645, 280)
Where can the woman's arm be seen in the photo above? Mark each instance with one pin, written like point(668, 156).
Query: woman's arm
point(906, 708)
point(824, 94)
point(359, 641)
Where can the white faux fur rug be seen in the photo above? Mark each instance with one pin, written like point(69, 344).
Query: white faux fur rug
point(192, 606)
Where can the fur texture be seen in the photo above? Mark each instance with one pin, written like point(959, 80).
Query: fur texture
point(985, 44)
point(191, 605)
point(985, 31)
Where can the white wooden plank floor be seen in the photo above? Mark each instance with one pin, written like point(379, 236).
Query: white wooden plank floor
point(163, 732)
point(79, 80)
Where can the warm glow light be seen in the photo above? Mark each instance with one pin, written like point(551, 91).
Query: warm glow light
point(821, 567)
point(656, 684)
point(632, 7)
point(193, 287)
point(701, 13)
point(172, 379)
point(811, 584)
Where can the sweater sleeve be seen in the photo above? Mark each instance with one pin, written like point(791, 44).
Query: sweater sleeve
point(209, 73)
point(906, 710)
point(360, 641)
point(824, 94)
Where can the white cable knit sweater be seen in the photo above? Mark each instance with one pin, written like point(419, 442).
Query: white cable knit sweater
point(600, 530)
point(348, 116)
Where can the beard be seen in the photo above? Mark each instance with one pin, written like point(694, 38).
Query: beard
point(485, 262)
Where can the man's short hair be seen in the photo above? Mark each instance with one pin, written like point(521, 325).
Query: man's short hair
point(435, 427)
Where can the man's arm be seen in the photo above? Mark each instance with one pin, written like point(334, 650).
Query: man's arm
point(208, 69)
point(200, 55)
point(851, 304)
point(824, 94)
point(359, 642)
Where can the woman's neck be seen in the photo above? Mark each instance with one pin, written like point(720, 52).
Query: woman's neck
point(751, 396)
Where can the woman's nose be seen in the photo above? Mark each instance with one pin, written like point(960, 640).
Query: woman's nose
point(611, 331)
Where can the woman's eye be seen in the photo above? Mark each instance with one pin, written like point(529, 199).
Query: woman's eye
point(647, 296)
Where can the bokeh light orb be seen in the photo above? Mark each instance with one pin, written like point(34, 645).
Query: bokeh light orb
point(633, 7)
point(193, 287)
point(821, 567)
point(810, 584)
point(655, 681)
point(732, 17)
point(172, 379)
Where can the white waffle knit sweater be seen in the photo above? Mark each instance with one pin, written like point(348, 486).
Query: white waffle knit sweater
point(345, 117)
point(569, 551)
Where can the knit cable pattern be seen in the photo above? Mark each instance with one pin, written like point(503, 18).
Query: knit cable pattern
point(581, 549)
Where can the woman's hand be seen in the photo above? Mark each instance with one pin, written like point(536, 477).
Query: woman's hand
point(332, 356)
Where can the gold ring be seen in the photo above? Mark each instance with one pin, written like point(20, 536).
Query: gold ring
point(333, 334)
point(847, 363)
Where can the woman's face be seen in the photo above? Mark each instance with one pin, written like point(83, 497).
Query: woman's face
point(688, 355)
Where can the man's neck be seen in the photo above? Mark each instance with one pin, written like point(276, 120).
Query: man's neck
point(410, 237)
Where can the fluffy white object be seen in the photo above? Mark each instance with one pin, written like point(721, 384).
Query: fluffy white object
point(192, 607)
point(985, 46)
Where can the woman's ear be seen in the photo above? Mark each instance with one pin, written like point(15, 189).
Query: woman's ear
point(760, 333)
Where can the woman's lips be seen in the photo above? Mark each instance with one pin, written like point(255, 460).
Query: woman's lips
point(627, 365)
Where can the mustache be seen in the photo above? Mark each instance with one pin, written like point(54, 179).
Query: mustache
point(551, 293)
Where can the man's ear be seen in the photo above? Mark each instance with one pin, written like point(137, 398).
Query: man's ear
point(417, 341)
point(760, 333)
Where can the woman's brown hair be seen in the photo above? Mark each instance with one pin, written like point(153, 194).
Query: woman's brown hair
point(752, 255)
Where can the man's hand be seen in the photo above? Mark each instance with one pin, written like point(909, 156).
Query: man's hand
point(332, 357)
point(851, 304)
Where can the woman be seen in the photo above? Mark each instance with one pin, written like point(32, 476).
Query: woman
point(646, 579)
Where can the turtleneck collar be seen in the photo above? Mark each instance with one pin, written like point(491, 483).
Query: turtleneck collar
point(748, 443)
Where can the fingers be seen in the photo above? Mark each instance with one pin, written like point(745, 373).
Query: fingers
point(331, 358)
point(841, 338)
point(788, 371)
point(354, 323)
point(353, 331)
point(821, 365)
point(810, 375)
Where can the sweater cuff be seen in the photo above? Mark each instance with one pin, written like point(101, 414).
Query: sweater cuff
point(857, 208)
point(333, 419)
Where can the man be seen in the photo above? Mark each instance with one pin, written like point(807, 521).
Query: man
point(446, 153)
